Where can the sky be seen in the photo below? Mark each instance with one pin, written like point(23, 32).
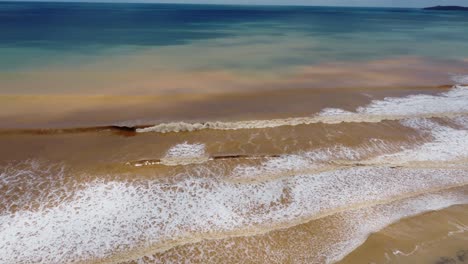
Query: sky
point(377, 3)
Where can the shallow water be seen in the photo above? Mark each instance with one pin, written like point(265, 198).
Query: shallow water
point(232, 134)
point(110, 196)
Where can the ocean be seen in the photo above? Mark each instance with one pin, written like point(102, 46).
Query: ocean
point(176, 133)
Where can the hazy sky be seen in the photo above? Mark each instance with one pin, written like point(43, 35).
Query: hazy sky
point(394, 3)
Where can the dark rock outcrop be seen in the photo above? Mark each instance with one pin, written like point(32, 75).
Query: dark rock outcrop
point(447, 8)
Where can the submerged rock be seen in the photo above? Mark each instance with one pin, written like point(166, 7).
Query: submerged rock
point(446, 260)
point(462, 255)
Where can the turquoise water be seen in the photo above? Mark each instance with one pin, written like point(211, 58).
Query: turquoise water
point(38, 34)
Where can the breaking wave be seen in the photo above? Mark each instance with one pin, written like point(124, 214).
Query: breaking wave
point(448, 104)
point(128, 219)
point(107, 218)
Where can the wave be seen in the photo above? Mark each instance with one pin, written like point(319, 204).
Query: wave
point(319, 160)
point(444, 105)
point(104, 218)
point(460, 79)
point(442, 143)
point(448, 104)
point(110, 220)
point(447, 145)
point(107, 219)
point(325, 244)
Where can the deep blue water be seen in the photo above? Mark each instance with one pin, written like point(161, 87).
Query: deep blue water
point(52, 30)
point(72, 25)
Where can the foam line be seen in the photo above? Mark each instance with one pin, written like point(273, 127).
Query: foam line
point(449, 104)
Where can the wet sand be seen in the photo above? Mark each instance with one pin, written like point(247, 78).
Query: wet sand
point(433, 237)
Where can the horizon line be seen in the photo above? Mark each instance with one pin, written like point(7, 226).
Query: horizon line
point(182, 3)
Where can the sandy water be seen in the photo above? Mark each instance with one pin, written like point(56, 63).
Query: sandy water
point(341, 185)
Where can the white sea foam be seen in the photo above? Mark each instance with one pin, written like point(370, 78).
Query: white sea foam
point(327, 244)
point(453, 101)
point(448, 144)
point(107, 217)
point(102, 218)
point(335, 112)
point(460, 79)
point(448, 104)
point(185, 153)
point(461, 121)
point(31, 184)
point(315, 160)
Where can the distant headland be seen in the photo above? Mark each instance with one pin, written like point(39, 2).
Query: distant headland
point(447, 8)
